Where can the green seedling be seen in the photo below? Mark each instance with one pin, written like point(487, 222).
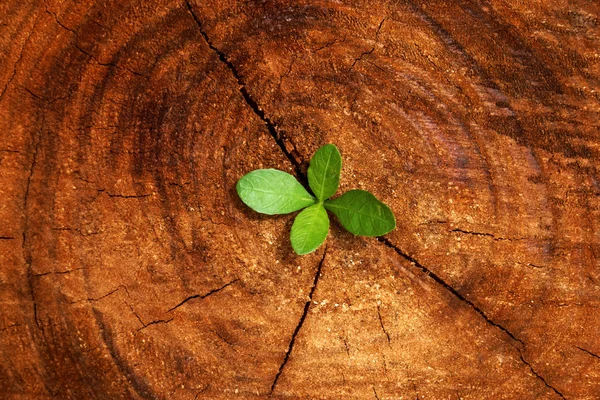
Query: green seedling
point(270, 191)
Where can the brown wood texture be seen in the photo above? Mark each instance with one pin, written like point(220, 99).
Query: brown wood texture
point(130, 269)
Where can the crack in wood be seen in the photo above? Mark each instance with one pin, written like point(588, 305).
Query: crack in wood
point(202, 296)
point(366, 53)
point(541, 378)
point(24, 244)
point(271, 126)
point(300, 323)
point(485, 234)
point(449, 288)
point(589, 352)
point(375, 392)
point(157, 321)
point(91, 56)
point(92, 300)
point(457, 294)
point(14, 72)
point(387, 335)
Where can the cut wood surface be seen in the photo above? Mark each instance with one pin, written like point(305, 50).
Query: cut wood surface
point(130, 269)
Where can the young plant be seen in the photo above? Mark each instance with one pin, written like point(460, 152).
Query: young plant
point(270, 191)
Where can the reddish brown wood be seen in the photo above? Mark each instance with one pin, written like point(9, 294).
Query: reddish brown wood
point(130, 269)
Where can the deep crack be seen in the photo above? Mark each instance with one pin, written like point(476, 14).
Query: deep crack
point(449, 288)
point(387, 335)
point(202, 296)
point(300, 323)
point(457, 294)
point(24, 244)
point(485, 234)
point(541, 378)
point(271, 127)
point(375, 393)
point(589, 352)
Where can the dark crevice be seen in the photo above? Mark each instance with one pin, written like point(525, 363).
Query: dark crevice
point(158, 321)
point(589, 352)
point(459, 296)
point(25, 244)
point(15, 66)
point(379, 29)
point(485, 234)
point(202, 296)
point(10, 326)
point(541, 378)
point(107, 64)
point(271, 127)
point(449, 288)
point(346, 346)
point(387, 335)
point(375, 393)
point(91, 299)
point(7, 238)
point(76, 34)
point(326, 45)
point(300, 323)
point(365, 53)
point(133, 196)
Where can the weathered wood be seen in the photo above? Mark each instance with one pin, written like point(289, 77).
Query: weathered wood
point(130, 269)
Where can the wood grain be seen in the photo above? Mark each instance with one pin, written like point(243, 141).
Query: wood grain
point(131, 269)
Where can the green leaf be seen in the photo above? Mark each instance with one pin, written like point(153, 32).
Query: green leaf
point(270, 191)
point(362, 214)
point(309, 229)
point(324, 172)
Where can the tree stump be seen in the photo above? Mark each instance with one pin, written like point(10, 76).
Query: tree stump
point(131, 269)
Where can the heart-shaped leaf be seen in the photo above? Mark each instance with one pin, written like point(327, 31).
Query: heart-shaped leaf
point(324, 172)
point(270, 191)
point(362, 214)
point(309, 229)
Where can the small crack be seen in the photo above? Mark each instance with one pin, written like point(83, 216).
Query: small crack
point(271, 127)
point(485, 234)
point(449, 288)
point(329, 44)
point(75, 33)
point(541, 378)
point(216, 332)
point(10, 326)
point(14, 72)
point(346, 347)
point(202, 296)
point(24, 244)
point(158, 321)
point(204, 389)
point(378, 30)
point(7, 238)
point(91, 299)
point(366, 53)
point(360, 57)
point(145, 325)
point(375, 392)
point(387, 335)
point(454, 292)
point(107, 64)
point(300, 323)
point(133, 196)
point(589, 352)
